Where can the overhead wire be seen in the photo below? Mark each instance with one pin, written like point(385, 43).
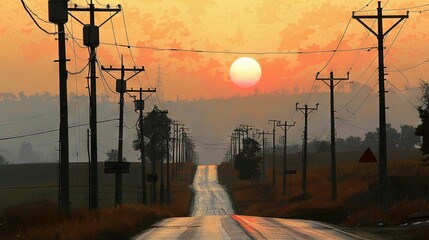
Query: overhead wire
point(338, 45)
point(29, 11)
point(49, 131)
point(12, 122)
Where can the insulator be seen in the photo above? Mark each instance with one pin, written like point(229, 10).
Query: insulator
point(58, 12)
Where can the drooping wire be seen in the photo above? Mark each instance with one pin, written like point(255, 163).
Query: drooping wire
point(338, 45)
point(357, 93)
point(367, 5)
point(114, 35)
point(411, 67)
point(403, 95)
point(128, 43)
point(358, 53)
point(27, 9)
point(105, 83)
point(364, 100)
point(50, 130)
point(403, 75)
point(407, 8)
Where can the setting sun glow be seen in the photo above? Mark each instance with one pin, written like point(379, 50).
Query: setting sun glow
point(245, 72)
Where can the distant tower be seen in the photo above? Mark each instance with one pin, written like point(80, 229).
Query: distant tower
point(159, 87)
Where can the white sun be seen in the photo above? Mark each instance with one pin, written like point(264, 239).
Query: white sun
point(245, 72)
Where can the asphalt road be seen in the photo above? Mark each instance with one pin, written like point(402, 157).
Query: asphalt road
point(213, 218)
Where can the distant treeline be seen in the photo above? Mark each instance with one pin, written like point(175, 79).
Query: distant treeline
point(403, 139)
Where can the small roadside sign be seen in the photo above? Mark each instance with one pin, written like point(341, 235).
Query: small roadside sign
point(368, 157)
point(290, 171)
point(116, 167)
point(152, 177)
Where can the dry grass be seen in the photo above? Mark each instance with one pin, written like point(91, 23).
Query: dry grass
point(397, 214)
point(352, 205)
point(43, 220)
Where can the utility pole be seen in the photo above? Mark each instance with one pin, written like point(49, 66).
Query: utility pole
point(177, 148)
point(168, 170)
point(275, 123)
point(91, 40)
point(238, 131)
point(331, 86)
point(264, 171)
point(58, 15)
point(139, 106)
point(161, 183)
point(285, 128)
point(153, 163)
point(306, 110)
point(173, 150)
point(246, 128)
point(380, 34)
point(121, 88)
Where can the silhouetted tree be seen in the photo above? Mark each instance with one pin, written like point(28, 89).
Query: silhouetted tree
point(248, 161)
point(371, 140)
point(112, 156)
point(392, 138)
point(408, 139)
point(156, 130)
point(354, 143)
point(319, 146)
point(27, 154)
point(422, 130)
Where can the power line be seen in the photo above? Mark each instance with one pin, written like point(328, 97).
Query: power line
point(28, 10)
point(237, 52)
point(50, 130)
point(25, 119)
point(338, 45)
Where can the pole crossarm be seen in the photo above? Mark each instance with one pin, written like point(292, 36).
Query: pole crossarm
point(331, 82)
point(75, 9)
point(141, 90)
point(285, 125)
point(306, 111)
point(380, 34)
point(309, 109)
point(285, 128)
point(331, 77)
point(359, 19)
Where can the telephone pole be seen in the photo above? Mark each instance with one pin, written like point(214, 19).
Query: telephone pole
point(238, 131)
point(380, 34)
point(246, 128)
point(306, 110)
point(173, 149)
point(168, 170)
point(331, 86)
point(58, 15)
point(285, 127)
point(264, 172)
point(121, 88)
point(139, 106)
point(275, 123)
point(91, 40)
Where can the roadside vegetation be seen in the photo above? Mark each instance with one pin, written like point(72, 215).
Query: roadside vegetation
point(356, 205)
point(43, 219)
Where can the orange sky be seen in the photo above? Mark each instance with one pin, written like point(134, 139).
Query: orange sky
point(247, 26)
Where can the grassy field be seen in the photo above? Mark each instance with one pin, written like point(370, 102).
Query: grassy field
point(20, 183)
point(30, 211)
point(356, 204)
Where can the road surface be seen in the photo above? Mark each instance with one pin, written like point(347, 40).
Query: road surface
point(213, 218)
